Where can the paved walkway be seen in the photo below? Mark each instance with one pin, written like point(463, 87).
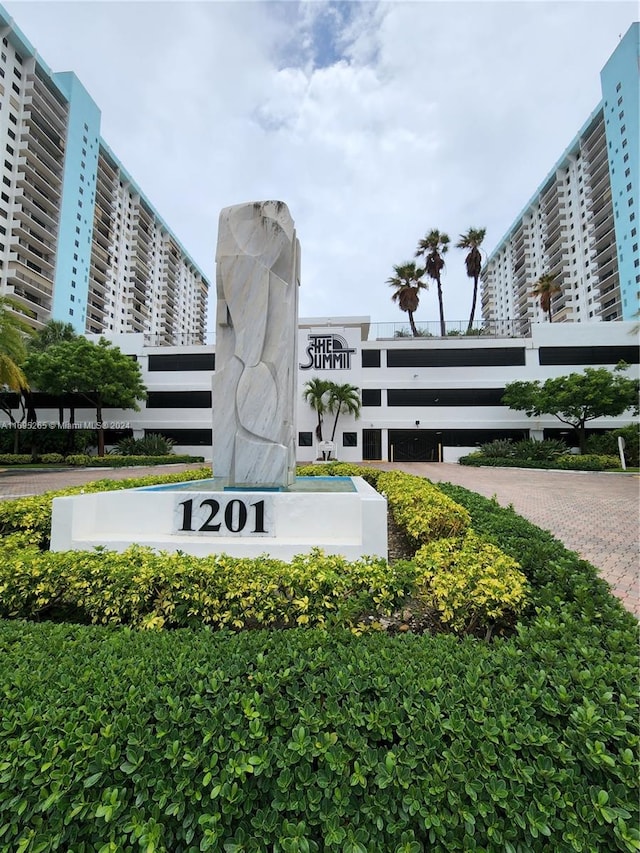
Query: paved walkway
point(594, 514)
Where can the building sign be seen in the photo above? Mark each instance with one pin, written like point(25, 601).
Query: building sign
point(327, 352)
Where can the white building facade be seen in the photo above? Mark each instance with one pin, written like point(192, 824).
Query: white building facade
point(581, 224)
point(423, 399)
point(79, 241)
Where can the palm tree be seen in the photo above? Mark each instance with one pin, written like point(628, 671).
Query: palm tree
point(343, 398)
point(545, 289)
point(13, 331)
point(53, 332)
point(472, 240)
point(433, 247)
point(407, 281)
point(315, 393)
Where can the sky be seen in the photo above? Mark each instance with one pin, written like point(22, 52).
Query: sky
point(373, 121)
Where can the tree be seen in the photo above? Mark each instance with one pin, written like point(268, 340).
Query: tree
point(55, 332)
point(100, 373)
point(407, 281)
point(343, 398)
point(13, 332)
point(472, 240)
point(545, 289)
point(433, 247)
point(576, 398)
point(315, 393)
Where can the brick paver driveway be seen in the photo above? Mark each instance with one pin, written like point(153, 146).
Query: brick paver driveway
point(595, 514)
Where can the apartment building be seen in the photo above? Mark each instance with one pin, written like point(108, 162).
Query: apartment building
point(79, 241)
point(581, 224)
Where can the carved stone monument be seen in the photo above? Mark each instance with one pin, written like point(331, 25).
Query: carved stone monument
point(254, 504)
point(257, 280)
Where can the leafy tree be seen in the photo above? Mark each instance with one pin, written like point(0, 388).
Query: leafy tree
point(472, 240)
point(433, 247)
point(407, 283)
point(545, 289)
point(315, 393)
point(100, 373)
point(55, 332)
point(343, 398)
point(576, 398)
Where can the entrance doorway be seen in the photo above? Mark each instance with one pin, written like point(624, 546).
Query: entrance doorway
point(412, 445)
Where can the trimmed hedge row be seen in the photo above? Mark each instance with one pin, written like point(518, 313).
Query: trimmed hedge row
point(84, 460)
point(477, 588)
point(586, 462)
point(317, 740)
point(32, 515)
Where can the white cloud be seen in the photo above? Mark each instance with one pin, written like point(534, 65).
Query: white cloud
point(408, 116)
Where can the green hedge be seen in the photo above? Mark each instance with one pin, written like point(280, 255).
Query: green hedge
point(319, 740)
point(587, 462)
point(32, 515)
point(114, 461)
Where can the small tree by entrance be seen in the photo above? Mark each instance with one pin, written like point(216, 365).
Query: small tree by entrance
point(576, 398)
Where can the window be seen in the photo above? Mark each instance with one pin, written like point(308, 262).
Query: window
point(9, 149)
point(349, 439)
point(11, 133)
point(305, 439)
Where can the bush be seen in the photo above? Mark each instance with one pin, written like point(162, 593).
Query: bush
point(606, 444)
point(32, 515)
point(52, 458)
point(15, 459)
point(143, 589)
point(113, 461)
point(420, 508)
point(471, 582)
point(566, 463)
point(315, 740)
point(151, 445)
point(80, 460)
point(588, 463)
point(499, 447)
point(546, 450)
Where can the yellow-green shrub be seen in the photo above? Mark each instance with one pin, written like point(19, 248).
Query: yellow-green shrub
point(141, 588)
point(33, 514)
point(471, 582)
point(420, 508)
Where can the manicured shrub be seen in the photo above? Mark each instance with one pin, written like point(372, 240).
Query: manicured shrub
point(52, 458)
point(420, 508)
point(15, 458)
point(588, 462)
point(339, 469)
point(115, 461)
point(313, 740)
point(33, 514)
point(471, 582)
point(143, 589)
point(80, 460)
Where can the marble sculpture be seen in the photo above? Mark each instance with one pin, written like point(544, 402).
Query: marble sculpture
point(257, 279)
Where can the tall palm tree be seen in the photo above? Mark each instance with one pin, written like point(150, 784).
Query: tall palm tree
point(472, 240)
point(407, 283)
point(315, 393)
point(545, 289)
point(343, 398)
point(433, 247)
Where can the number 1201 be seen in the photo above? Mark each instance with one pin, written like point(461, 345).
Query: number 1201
point(233, 520)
